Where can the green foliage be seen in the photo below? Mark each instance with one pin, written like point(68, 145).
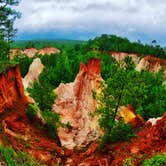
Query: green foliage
point(32, 111)
point(8, 155)
point(111, 99)
point(17, 159)
point(42, 94)
point(115, 43)
point(123, 86)
point(24, 63)
point(50, 117)
point(7, 18)
point(4, 49)
point(158, 160)
point(30, 44)
point(49, 61)
point(61, 44)
point(121, 132)
point(52, 120)
point(23, 159)
point(144, 90)
point(128, 162)
point(4, 65)
point(7, 32)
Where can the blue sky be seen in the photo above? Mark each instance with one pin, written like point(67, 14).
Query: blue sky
point(83, 19)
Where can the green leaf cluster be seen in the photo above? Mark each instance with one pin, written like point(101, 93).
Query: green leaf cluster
point(157, 160)
point(13, 158)
point(24, 63)
point(52, 120)
point(32, 111)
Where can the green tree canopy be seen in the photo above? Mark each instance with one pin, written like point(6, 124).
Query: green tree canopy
point(7, 31)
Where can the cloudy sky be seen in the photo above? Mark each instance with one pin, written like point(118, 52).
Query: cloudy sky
point(83, 19)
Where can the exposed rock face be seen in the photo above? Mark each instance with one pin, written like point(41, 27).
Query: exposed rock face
point(148, 62)
point(11, 88)
point(75, 104)
point(120, 56)
point(34, 71)
point(129, 116)
point(30, 52)
point(49, 51)
point(153, 121)
point(14, 52)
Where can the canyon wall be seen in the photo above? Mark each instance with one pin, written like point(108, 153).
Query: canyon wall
point(148, 62)
point(11, 88)
point(35, 69)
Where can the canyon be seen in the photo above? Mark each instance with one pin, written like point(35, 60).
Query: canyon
point(75, 104)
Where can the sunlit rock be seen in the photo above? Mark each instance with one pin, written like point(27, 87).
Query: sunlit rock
point(48, 51)
point(30, 52)
point(120, 56)
point(75, 104)
point(129, 116)
point(14, 52)
point(35, 70)
point(153, 121)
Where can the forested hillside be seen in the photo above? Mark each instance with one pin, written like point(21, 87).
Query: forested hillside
point(119, 44)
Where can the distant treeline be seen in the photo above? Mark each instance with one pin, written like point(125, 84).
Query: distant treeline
point(119, 44)
point(61, 44)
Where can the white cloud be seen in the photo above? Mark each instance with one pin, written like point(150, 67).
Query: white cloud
point(123, 17)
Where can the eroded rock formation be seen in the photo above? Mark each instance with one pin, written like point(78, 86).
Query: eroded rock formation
point(14, 52)
point(49, 51)
point(75, 104)
point(148, 62)
point(120, 56)
point(30, 52)
point(35, 70)
point(11, 88)
point(129, 116)
point(151, 63)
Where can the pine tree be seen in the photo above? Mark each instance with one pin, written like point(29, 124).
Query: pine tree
point(7, 31)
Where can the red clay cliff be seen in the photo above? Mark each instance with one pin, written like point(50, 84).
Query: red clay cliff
point(11, 88)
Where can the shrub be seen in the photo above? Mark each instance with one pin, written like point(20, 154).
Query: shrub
point(52, 122)
point(17, 159)
point(121, 132)
point(128, 162)
point(24, 159)
point(24, 63)
point(8, 155)
point(32, 110)
point(158, 160)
